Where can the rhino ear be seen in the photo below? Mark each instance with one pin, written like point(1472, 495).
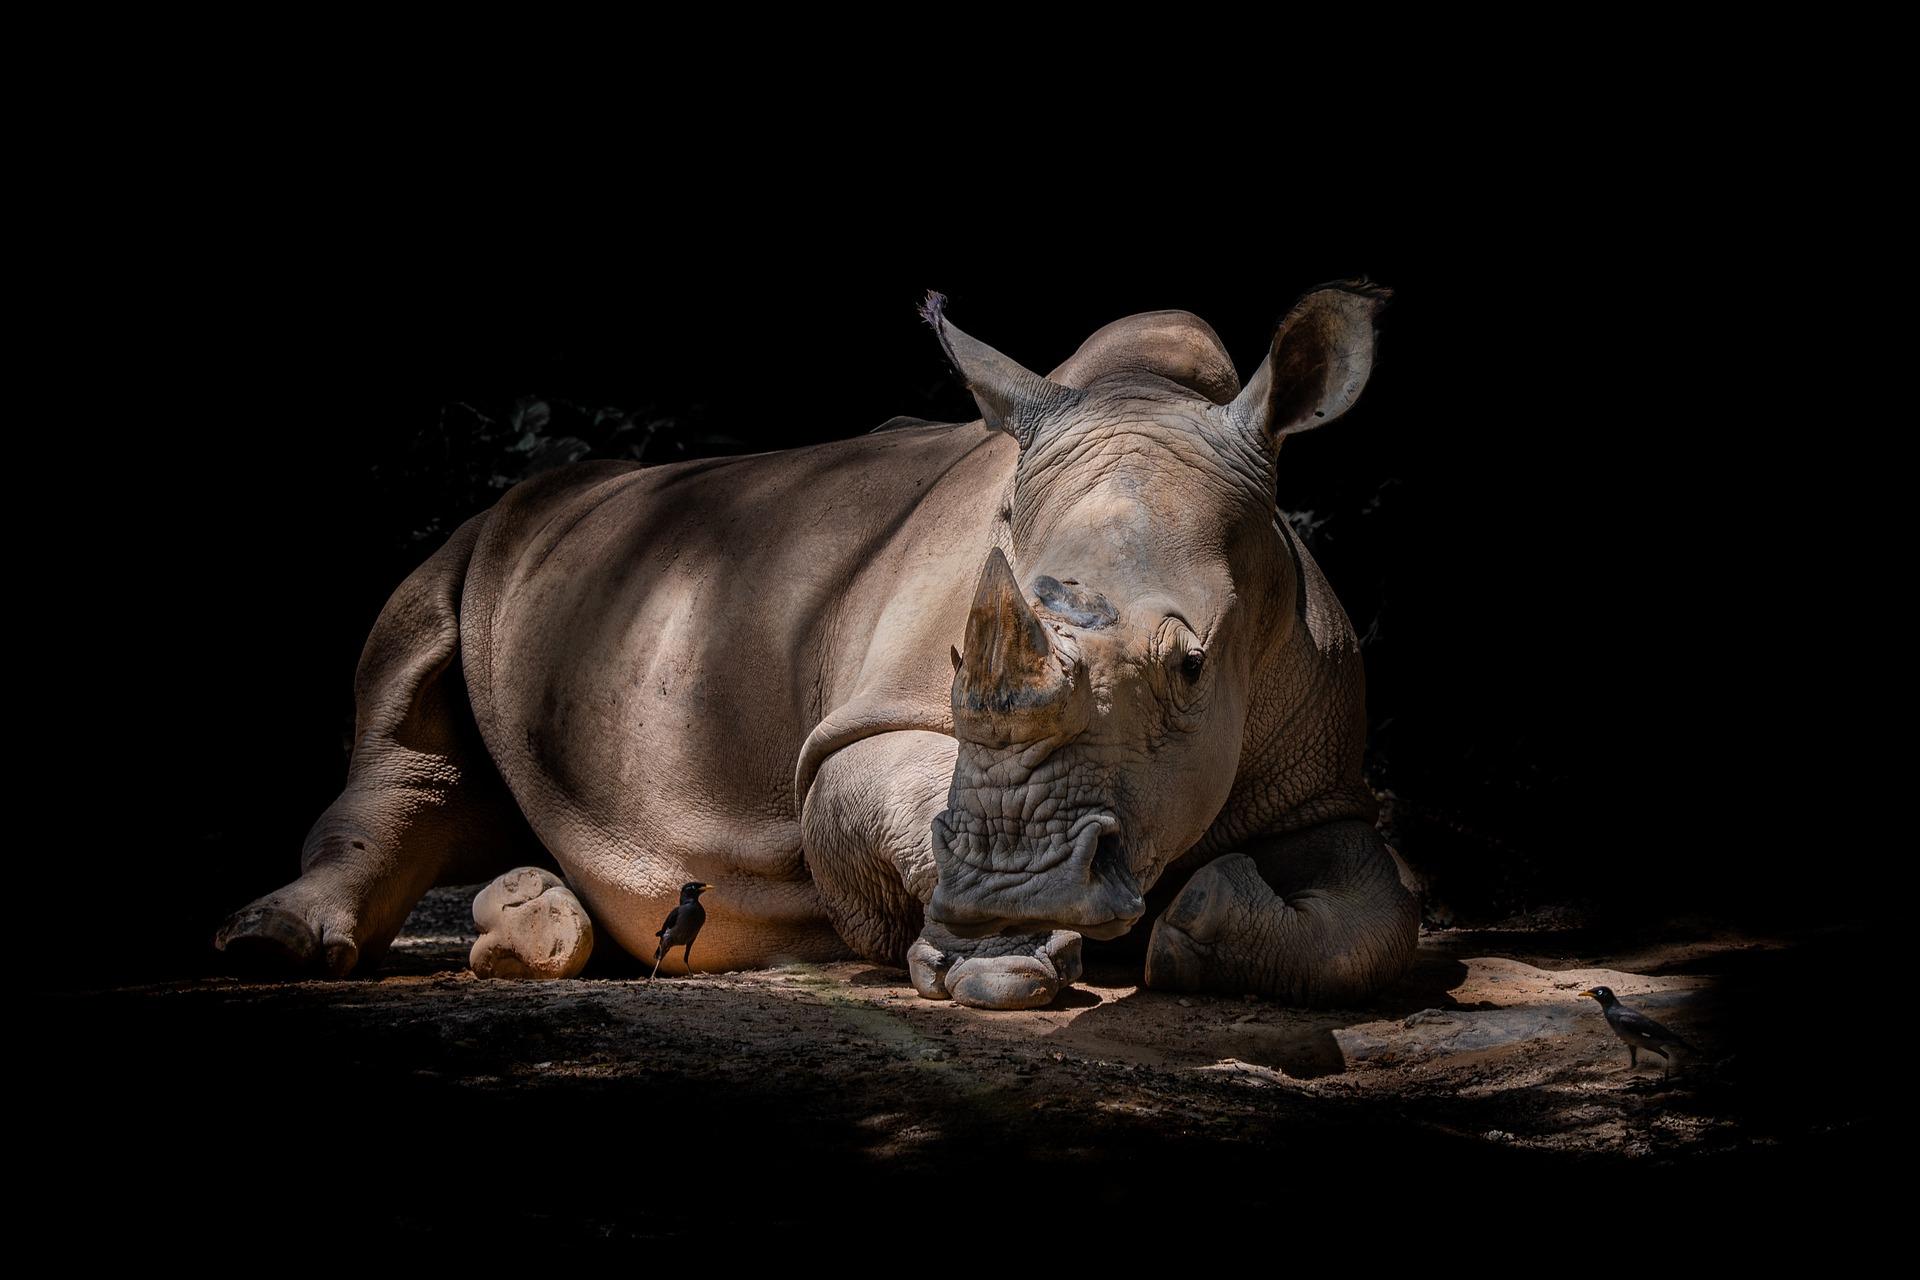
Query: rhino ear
point(1320, 358)
point(1012, 398)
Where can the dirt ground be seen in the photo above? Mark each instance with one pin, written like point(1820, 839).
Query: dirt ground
point(422, 1101)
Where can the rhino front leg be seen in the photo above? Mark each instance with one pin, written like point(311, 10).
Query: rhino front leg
point(1317, 917)
point(868, 827)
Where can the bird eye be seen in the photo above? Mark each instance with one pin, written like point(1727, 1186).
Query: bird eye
point(1191, 664)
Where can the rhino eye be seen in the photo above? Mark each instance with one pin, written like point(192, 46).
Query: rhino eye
point(1191, 664)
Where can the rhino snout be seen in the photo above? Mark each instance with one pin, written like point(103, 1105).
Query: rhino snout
point(998, 883)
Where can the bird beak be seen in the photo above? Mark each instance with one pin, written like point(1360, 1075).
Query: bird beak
point(705, 887)
point(1589, 995)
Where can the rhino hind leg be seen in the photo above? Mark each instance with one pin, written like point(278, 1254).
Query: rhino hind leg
point(1318, 917)
point(423, 803)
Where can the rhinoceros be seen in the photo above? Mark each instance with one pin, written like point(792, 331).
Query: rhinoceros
point(947, 696)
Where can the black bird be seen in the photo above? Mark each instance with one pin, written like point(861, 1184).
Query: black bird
point(1638, 1030)
point(682, 926)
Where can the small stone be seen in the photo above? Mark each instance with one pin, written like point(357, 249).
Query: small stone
point(1185, 1003)
point(1498, 1135)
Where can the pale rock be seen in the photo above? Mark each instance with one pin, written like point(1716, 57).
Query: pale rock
point(531, 926)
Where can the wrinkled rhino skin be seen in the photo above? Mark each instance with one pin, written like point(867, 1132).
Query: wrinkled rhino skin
point(957, 690)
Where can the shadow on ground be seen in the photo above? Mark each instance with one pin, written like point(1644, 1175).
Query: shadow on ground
point(816, 1102)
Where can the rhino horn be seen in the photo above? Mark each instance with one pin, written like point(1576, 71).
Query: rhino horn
point(1010, 685)
point(1012, 398)
point(1321, 356)
point(1007, 646)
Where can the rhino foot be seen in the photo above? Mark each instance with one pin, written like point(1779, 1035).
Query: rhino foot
point(306, 929)
point(531, 926)
point(1022, 972)
point(289, 932)
point(1338, 926)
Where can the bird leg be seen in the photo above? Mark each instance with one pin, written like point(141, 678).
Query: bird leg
point(1633, 1057)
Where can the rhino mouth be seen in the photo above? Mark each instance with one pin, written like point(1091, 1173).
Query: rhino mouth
point(1066, 874)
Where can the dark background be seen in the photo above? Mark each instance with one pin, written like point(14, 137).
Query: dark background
point(1611, 513)
point(1556, 513)
point(1598, 514)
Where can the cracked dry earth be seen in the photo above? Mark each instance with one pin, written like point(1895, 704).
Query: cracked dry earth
point(431, 1101)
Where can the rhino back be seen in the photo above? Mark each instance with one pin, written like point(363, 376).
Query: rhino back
point(647, 648)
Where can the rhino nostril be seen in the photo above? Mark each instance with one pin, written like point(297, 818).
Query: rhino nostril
point(1106, 861)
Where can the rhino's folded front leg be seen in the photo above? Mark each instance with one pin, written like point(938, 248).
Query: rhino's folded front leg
point(1022, 972)
point(1318, 917)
